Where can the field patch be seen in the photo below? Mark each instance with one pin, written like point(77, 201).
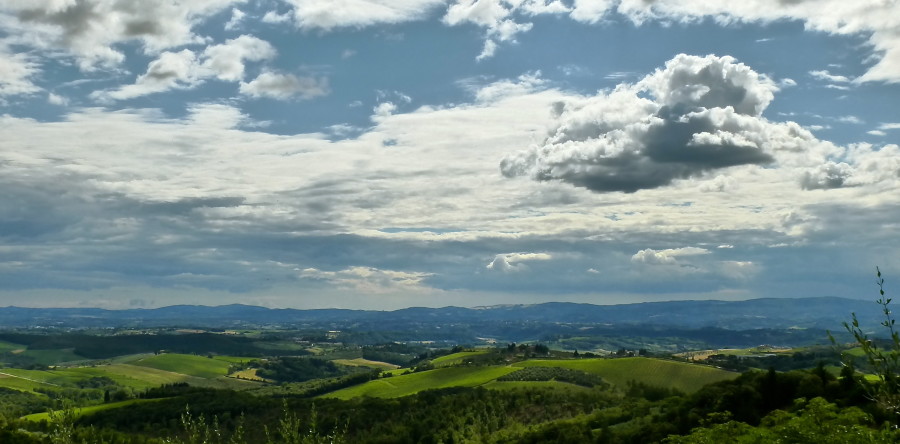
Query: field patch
point(81, 411)
point(191, 365)
point(360, 362)
point(248, 374)
point(404, 385)
point(52, 356)
point(9, 347)
point(655, 372)
point(456, 358)
point(17, 382)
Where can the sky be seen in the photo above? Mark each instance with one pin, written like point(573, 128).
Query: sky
point(379, 154)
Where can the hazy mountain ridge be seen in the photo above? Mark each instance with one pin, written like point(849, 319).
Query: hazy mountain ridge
point(815, 312)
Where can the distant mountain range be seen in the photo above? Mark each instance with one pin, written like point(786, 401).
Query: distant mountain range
point(816, 312)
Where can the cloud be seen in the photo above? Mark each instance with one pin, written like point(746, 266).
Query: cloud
point(876, 20)
point(172, 70)
point(497, 18)
point(665, 257)
point(236, 17)
point(827, 176)
point(702, 114)
point(383, 110)
point(90, 30)
point(511, 262)
point(226, 61)
point(16, 72)
point(368, 279)
point(58, 100)
point(501, 89)
point(279, 86)
point(850, 119)
point(591, 11)
point(327, 15)
point(186, 69)
point(828, 77)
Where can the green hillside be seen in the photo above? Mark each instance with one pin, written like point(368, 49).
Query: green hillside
point(404, 385)
point(192, 365)
point(456, 358)
point(656, 372)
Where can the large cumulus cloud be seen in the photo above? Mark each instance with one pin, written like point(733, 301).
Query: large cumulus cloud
point(696, 115)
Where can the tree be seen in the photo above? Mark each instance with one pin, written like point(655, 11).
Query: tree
point(885, 361)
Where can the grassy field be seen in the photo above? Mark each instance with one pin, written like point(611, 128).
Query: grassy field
point(191, 365)
point(16, 382)
point(79, 411)
point(53, 356)
point(657, 372)
point(248, 374)
point(9, 346)
point(135, 377)
point(360, 362)
point(144, 371)
point(455, 358)
point(233, 359)
point(404, 385)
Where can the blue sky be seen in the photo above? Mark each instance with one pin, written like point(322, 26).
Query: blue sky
point(394, 153)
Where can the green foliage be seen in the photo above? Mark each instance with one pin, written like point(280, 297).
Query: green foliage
point(577, 377)
point(409, 384)
point(655, 372)
point(814, 422)
point(15, 403)
point(295, 369)
point(100, 347)
point(884, 361)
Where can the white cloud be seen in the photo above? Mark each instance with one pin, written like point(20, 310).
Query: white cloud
point(58, 100)
point(368, 279)
point(787, 83)
point(488, 51)
point(876, 19)
point(850, 119)
point(185, 69)
point(828, 77)
point(90, 30)
point(879, 133)
point(236, 17)
point(327, 15)
point(667, 256)
point(591, 11)
point(172, 70)
point(511, 262)
point(829, 175)
point(16, 72)
point(275, 18)
point(285, 86)
point(226, 61)
point(497, 18)
point(501, 89)
point(704, 114)
point(889, 126)
point(383, 110)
